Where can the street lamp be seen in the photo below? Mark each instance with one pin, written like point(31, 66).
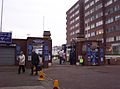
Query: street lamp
point(1, 16)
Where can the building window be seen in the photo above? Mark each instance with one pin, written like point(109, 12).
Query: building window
point(92, 18)
point(92, 3)
point(76, 6)
point(111, 29)
point(92, 33)
point(108, 3)
point(110, 20)
point(117, 17)
point(117, 7)
point(87, 20)
point(99, 23)
point(110, 39)
point(98, 6)
point(109, 11)
point(87, 13)
point(96, 1)
point(87, 6)
point(77, 18)
point(99, 15)
point(77, 25)
point(86, 1)
point(71, 28)
point(92, 26)
point(117, 28)
point(91, 11)
point(77, 31)
point(117, 38)
point(115, 0)
point(87, 28)
point(88, 35)
point(99, 32)
point(76, 12)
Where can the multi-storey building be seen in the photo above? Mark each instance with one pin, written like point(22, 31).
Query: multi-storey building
point(75, 21)
point(101, 22)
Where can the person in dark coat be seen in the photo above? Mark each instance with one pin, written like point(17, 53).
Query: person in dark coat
point(35, 62)
point(71, 57)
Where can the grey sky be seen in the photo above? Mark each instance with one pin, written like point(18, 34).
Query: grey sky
point(24, 17)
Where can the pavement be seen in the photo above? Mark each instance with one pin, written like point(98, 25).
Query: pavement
point(10, 79)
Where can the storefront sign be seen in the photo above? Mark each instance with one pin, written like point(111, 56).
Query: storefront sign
point(5, 37)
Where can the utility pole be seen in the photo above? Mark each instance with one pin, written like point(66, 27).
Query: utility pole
point(1, 17)
point(43, 23)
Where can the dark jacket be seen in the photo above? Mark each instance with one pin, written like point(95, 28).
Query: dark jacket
point(35, 59)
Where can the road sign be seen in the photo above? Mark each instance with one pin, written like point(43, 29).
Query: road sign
point(5, 37)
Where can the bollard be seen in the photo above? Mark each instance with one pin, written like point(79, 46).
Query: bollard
point(56, 85)
point(41, 76)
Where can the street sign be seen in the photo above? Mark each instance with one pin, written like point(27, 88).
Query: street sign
point(5, 37)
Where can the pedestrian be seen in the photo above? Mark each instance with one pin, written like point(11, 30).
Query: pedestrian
point(64, 57)
point(72, 57)
point(61, 56)
point(21, 60)
point(35, 62)
point(81, 60)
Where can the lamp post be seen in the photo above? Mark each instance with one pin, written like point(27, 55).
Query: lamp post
point(1, 16)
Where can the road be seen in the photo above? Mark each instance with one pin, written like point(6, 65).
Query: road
point(85, 77)
point(69, 77)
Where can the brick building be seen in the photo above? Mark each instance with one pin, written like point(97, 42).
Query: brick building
point(75, 21)
point(101, 21)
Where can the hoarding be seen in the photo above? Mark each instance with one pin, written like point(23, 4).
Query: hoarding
point(5, 37)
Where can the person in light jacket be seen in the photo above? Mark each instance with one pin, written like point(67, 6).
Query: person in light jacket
point(21, 60)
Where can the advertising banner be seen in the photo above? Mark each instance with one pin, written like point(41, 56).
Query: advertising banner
point(5, 37)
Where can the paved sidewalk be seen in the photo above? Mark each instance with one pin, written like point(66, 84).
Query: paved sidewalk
point(9, 79)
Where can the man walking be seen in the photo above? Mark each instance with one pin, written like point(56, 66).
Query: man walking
point(35, 62)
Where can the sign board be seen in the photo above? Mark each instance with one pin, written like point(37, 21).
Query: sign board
point(5, 37)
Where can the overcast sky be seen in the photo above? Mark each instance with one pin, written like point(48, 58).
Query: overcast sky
point(24, 17)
